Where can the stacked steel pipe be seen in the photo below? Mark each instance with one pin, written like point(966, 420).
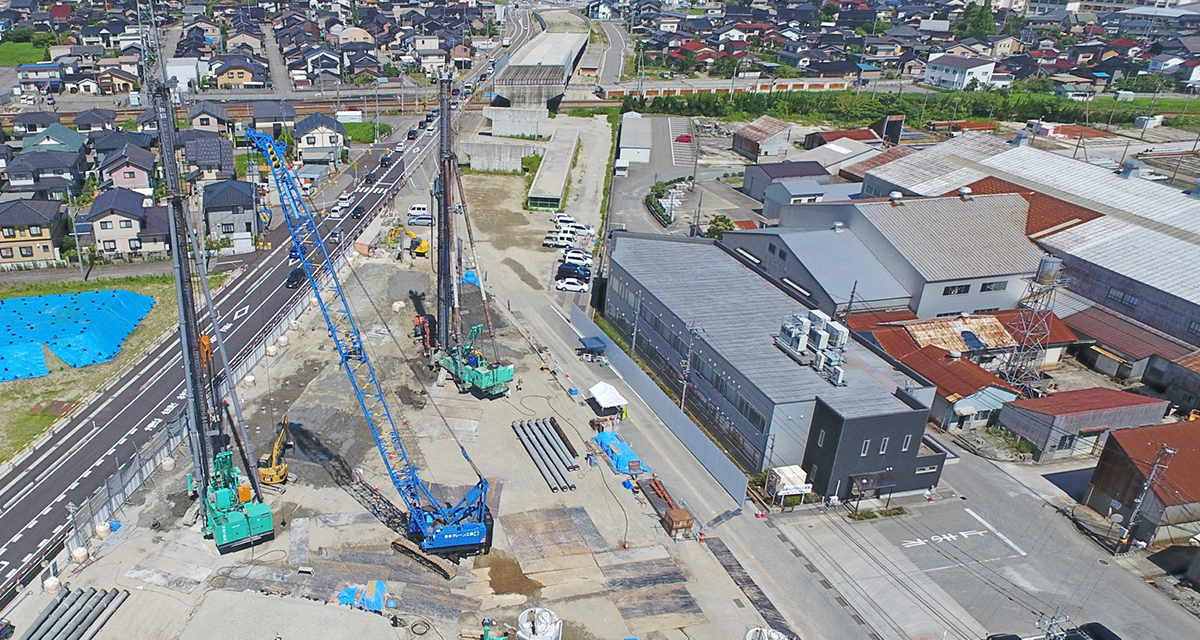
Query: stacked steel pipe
point(77, 615)
point(550, 451)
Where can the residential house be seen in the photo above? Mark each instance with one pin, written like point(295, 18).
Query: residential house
point(130, 167)
point(31, 231)
point(274, 117)
point(55, 137)
point(147, 121)
point(96, 122)
point(30, 122)
point(240, 74)
point(967, 394)
point(229, 209)
point(210, 116)
point(208, 160)
point(117, 139)
point(116, 80)
point(320, 139)
point(122, 225)
point(959, 72)
point(49, 175)
point(40, 77)
point(245, 39)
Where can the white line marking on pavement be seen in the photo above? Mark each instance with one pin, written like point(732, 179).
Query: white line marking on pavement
point(998, 534)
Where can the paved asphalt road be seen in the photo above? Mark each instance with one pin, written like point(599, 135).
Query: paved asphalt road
point(614, 57)
point(71, 464)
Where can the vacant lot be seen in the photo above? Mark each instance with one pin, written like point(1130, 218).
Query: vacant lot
point(564, 21)
point(20, 418)
point(15, 53)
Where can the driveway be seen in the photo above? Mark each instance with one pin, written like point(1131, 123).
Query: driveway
point(614, 57)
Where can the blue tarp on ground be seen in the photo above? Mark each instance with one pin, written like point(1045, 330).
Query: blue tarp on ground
point(80, 328)
point(619, 452)
point(371, 597)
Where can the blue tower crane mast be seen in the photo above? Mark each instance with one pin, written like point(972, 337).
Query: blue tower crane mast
point(435, 528)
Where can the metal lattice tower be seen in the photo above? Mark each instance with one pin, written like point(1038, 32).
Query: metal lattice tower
point(1031, 328)
point(151, 47)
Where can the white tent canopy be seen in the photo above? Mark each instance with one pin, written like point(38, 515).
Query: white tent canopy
point(606, 396)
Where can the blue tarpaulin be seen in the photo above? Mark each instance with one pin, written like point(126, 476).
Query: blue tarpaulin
point(592, 343)
point(370, 597)
point(80, 328)
point(619, 453)
point(470, 277)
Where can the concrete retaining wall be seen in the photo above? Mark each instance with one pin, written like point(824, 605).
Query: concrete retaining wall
point(498, 156)
point(514, 121)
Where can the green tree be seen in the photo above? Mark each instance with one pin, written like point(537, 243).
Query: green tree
point(129, 125)
point(1014, 24)
point(24, 34)
point(829, 10)
point(718, 226)
point(1065, 41)
point(724, 67)
point(390, 70)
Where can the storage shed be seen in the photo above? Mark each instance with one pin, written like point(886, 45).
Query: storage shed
point(1077, 422)
point(766, 136)
point(636, 139)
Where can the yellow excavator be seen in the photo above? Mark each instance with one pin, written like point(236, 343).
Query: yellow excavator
point(271, 467)
point(418, 247)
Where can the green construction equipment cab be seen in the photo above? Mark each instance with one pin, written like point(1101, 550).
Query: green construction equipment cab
point(231, 514)
point(469, 368)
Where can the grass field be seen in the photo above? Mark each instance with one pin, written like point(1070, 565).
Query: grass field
point(15, 53)
point(364, 132)
point(18, 425)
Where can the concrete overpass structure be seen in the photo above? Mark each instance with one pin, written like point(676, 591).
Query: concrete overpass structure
point(537, 75)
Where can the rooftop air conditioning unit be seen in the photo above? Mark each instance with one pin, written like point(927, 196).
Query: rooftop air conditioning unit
point(838, 335)
point(819, 319)
point(839, 376)
point(820, 361)
point(818, 340)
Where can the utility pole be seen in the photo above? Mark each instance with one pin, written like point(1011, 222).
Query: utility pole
point(1165, 454)
point(1053, 628)
point(637, 313)
point(693, 332)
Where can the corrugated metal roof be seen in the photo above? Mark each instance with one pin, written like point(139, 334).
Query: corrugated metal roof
point(1132, 339)
point(858, 170)
point(839, 262)
point(933, 173)
point(736, 313)
point(1190, 361)
point(955, 377)
point(947, 333)
point(1047, 214)
point(637, 133)
point(1180, 482)
point(764, 128)
point(1066, 403)
point(956, 238)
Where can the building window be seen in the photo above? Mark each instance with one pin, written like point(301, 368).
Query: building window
point(107, 224)
point(907, 441)
point(35, 230)
point(821, 438)
point(930, 469)
point(1067, 441)
point(866, 448)
point(999, 285)
point(26, 252)
point(956, 290)
point(1194, 327)
point(134, 244)
point(333, 139)
point(110, 245)
point(771, 248)
point(988, 310)
point(310, 140)
point(128, 175)
point(883, 446)
point(9, 232)
point(227, 227)
point(782, 255)
point(948, 313)
point(5, 253)
point(127, 224)
point(204, 122)
point(1122, 297)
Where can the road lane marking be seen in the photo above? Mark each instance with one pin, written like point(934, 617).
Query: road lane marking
point(968, 564)
point(998, 534)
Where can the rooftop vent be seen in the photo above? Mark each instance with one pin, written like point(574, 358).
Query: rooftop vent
point(964, 193)
point(896, 198)
point(954, 355)
point(839, 226)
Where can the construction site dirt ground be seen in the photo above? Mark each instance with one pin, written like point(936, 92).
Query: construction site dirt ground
point(596, 555)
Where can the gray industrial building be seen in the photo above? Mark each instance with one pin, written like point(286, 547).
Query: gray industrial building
point(636, 138)
point(1139, 258)
point(760, 176)
point(1070, 423)
point(696, 312)
point(948, 255)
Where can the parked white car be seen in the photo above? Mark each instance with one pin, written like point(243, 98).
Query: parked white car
point(418, 210)
point(578, 229)
point(571, 284)
point(561, 218)
point(584, 260)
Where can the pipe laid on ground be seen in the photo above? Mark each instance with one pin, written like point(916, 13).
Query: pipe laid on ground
point(551, 456)
point(555, 470)
point(552, 438)
point(71, 613)
point(537, 461)
point(88, 608)
point(58, 614)
point(108, 611)
point(33, 626)
point(562, 436)
point(96, 612)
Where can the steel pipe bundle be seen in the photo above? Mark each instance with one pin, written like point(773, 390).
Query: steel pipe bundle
point(552, 437)
point(554, 471)
point(77, 615)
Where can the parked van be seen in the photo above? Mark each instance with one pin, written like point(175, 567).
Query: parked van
point(559, 239)
point(418, 210)
point(335, 236)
